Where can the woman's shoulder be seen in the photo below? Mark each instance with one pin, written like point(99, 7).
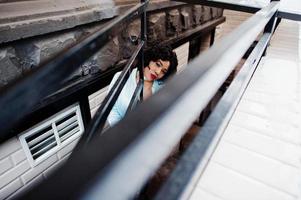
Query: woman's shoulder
point(158, 85)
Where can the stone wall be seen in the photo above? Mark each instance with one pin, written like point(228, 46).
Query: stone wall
point(23, 19)
point(33, 31)
point(176, 21)
point(22, 54)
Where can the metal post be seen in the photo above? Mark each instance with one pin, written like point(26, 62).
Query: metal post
point(271, 26)
point(143, 38)
point(212, 37)
point(85, 109)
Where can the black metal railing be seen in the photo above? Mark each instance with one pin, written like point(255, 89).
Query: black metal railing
point(247, 6)
point(79, 90)
point(25, 93)
point(118, 164)
point(194, 161)
point(99, 120)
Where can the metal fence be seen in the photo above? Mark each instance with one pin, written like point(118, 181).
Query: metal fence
point(117, 164)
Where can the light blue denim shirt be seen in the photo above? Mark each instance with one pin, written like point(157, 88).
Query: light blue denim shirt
point(123, 101)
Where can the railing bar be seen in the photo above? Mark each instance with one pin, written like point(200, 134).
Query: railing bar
point(85, 109)
point(140, 142)
point(143, 38)
point(160, 129)
point(285, 14)
point(21, 96)
point(135, 97)
point(289, 15)
point(104, 110)
point(194, 161)
point(224, 5)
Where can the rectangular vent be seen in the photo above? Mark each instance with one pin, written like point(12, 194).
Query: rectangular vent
point(51, 135)
point(41, 141)
point(68, 126)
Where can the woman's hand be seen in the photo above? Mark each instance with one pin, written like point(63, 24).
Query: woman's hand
point(147, 89)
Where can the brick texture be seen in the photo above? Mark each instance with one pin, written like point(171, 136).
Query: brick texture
point(5, 165)
point(16, 174)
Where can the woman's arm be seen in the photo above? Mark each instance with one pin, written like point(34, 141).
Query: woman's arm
point(147, 89)
point(114, 115)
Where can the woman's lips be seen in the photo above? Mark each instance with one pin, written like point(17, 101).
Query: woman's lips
point(153, 76)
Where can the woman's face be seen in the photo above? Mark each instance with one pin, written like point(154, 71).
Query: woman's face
point(156, 70)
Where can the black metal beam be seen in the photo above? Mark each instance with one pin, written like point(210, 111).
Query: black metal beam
point(67, 96)
point(212, 37)
point(116, 165)
point(21, 96)
point(87, 85)
point(289, 15)
point(85, 109)
point(143, 34)
point(243, 7)
point(194, 161)
point(230, 5)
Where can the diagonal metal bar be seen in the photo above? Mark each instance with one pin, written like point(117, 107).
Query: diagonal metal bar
point(20, 97)
point(140, 142)
point(245, 6)
point(194, 161)
point(289, 15)
point(143, 38)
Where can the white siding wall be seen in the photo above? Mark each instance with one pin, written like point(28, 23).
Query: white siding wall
point(233, 20)
point(96, 98)
point(16, 174)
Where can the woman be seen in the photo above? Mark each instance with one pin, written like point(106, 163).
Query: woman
point(160, 63)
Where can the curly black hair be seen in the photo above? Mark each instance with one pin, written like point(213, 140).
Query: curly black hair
point(165, 53)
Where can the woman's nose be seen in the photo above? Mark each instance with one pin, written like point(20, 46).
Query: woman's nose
point(158, 70)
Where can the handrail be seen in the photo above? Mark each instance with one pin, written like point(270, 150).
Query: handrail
point(22, 95)
point(80, 90)
point(195, 159)
point(243, 7)
point(225, 4)
point(137, 145)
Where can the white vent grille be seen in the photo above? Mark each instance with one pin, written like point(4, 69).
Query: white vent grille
point(67, 127)
point(52, 134)
point(41, 141)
